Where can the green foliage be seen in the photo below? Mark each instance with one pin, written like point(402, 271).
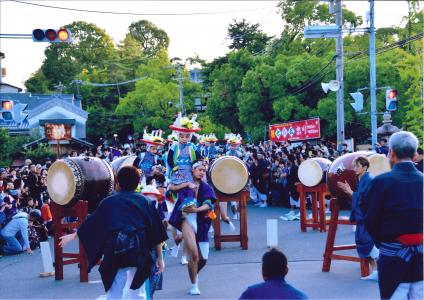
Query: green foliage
point(208, 126)
point(39, 154)
point(227, 80)
point(11, 146)
point(248, 92)
point(247, 36)
point(102, 124)
point(155, 99)
point(151, 39)
point(6, 147)
point(37, 83)
point(255, 84)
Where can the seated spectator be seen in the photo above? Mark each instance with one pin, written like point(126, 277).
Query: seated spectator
point(274, 269)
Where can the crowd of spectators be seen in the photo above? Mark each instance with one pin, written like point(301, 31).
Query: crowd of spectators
point(25, 217)
point(273, 171)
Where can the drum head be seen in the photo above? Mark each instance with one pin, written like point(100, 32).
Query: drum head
point(379, 164)
point(310, 173)
point(61, 183)
point(229, 175)
point(118, 163)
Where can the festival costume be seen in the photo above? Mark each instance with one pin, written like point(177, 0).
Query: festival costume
point(154, 283)
point(393, 208)
point(180, 158)
point(147, 160)
point(210, 151)
point(363, 240)
point(123, 228)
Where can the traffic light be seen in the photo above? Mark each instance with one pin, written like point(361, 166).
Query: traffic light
point(359, 101)
point(6, 110)
point(7, 105)
point(62, 35)
point(391, 100)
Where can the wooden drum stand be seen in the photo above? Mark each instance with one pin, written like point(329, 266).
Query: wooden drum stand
point(330, 248)
point(241, 197)
point(318, 214)
point(80, 211)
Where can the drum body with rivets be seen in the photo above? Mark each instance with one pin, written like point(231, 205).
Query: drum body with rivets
point(342, 169)
point(80, 178)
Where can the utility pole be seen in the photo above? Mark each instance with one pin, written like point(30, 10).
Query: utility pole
point(339, 75)
point(180, 83)
point(373, 78)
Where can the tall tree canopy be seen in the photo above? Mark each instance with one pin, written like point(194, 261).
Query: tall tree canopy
point(244, 35)
point(151, 39)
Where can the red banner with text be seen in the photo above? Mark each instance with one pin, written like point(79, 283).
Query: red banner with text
point(295, 131)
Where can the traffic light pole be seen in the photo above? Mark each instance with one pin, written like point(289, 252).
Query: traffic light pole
point(339, 74)
point(373, 79)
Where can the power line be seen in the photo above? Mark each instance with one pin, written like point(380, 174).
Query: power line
point(107, 84)
point(132, 13)
point(396, 44)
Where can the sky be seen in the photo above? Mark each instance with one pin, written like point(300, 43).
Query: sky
point(197, 34)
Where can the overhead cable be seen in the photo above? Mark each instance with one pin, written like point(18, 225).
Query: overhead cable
point(132, 13)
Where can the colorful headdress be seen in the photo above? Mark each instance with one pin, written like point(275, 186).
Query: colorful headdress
point(152, 190)
point(184, 124)
point(211, 138)
point(200, 138)
point(154, 138)
point(233, 139)
point(172, 137)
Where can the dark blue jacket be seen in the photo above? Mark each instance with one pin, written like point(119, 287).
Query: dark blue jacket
point(121, 212)
point(363, 240)
point(273, 288)
point(363, 185)
point(393, 204)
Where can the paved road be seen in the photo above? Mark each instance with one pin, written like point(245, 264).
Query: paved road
point(226, 275)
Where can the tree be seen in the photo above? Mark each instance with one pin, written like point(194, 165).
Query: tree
point(37, 83)
point(151, 39)
point(227, 82)
point(103, 123)
point(297, 14)
point(154, 102)
point(208, 126)
point(11, 146)
point(248, 36)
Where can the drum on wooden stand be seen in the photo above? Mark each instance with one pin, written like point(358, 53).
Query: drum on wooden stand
point(342, 169)
point(80, 178)
point(228, 175)
point(313, 171)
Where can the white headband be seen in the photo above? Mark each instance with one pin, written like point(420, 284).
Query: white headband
point(196, 164)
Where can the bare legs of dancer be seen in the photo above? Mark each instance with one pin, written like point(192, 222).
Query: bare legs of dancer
point(194, 255)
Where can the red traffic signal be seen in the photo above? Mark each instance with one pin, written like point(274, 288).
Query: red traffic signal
point(391, 100)
point(392, 94)
point(62, 35)
point(7, 105)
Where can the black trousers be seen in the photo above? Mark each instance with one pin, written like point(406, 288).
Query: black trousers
point(393, 270)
